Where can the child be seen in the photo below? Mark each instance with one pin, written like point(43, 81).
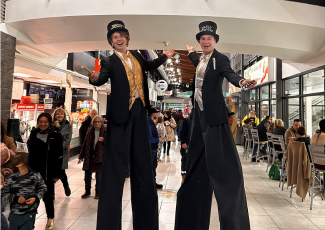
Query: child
point(23, 190)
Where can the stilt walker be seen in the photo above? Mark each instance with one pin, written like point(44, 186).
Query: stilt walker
point(213, 161)
point(127, 139)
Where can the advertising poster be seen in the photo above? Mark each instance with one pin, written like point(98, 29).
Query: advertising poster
point(258, 71)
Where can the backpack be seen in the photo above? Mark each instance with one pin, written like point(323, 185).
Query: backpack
point(274, 173)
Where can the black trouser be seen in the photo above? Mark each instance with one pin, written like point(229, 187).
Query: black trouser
point(184, 160)
point(64, 178)
point(154, 163)
point(213, 166)
point(128, 143)
point(21, 222)
point(48, 198)
point(167, 144)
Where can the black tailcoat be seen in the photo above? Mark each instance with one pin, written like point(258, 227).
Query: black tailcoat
point(127, 144)
point(213, 162)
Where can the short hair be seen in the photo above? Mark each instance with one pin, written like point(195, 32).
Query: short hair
point(301, 131)
point(296, 120)
point(247, 121)
point(94, 111)
point(47, 115)
point(267, 117)
point(124, 34)
point(254, 125)
point(100, 118)
point(19, 158)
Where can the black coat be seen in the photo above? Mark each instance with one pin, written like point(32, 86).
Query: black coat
point(215, 110)
point(113, 68)
point(46, 158)
point(262, 130)
point(84, 129)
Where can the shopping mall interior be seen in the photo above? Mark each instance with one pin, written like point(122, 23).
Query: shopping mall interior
point(280, 44)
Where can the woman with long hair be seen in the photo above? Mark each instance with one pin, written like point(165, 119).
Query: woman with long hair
point(63, 126)
point(45, 146)
point(170, 125)
point(92, 153)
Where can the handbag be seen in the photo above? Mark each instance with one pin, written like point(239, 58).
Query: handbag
point(274, 173)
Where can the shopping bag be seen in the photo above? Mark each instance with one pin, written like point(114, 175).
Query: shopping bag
point(274, 173)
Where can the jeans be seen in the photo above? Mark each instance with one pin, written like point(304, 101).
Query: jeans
point(88, 180)
point(264, 147)
point(168, 143)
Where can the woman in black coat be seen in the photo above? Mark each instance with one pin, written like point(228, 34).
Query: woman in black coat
point(45, 147)
point(279, 130)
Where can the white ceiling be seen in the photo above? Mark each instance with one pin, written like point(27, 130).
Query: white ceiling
point(293, 32)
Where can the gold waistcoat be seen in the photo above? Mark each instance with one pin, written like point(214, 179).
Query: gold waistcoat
point(135, 78)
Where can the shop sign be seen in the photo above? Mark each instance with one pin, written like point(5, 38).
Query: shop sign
point(184, 94)
point(97, 65)
point(178, 105)
point(31, 107)
point(234, 100)
point(258, 71)
point(168, 93)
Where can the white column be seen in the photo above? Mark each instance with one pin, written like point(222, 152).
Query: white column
point(68, 93)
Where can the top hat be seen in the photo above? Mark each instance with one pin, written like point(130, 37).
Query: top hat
point(115, 26)
point(208, 28)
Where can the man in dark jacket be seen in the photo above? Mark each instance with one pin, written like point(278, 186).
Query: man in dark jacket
point(86, 125)
point(185, 136)
point(154, 139)
point(212, 151)
point(301, 132)
point(127, 141)
point(262, 130)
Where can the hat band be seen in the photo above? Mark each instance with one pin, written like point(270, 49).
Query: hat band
point(117, 26)
point(206, 28)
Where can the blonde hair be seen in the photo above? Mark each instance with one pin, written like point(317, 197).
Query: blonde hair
point(159, 120)
point(278, 123)
point(100, 118)
point(58, 111)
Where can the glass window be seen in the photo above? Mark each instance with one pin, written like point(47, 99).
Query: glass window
point(273, 110)
point(252, 94)
point(265, 92)
point(273, 90)
point(292, 87)
point(313, 82)
point(314, 112)
point(293, 110)
point(264, 105)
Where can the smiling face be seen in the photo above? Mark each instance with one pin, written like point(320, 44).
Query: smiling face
point(43, 123)
point(59, 117)
point(207, 43)
point(120, 41)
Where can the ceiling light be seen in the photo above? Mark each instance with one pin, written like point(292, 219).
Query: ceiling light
point(169, 60)
point(179, 73)
point(171, 63)
point(177, 61)
point(47, 77)
point(22, 75)
point(176, 56)
point(178, 70)
point(48, 81)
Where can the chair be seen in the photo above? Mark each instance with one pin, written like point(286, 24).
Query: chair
point(316, 153)
point(259, 143)
point(278, 140)
point(271, 149)
point(248, 143)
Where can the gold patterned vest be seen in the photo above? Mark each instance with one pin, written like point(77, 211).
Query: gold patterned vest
point(135, 78)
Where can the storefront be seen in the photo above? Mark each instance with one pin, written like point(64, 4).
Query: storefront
point(304, 99)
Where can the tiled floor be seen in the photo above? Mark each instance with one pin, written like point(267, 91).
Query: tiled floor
point(269, 207)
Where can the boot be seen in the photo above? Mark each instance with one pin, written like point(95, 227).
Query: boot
point(67, 190)
point(86, 195)
point(97, 194)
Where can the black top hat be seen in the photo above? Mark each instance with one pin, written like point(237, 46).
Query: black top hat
point(115, 26)
point(208, 28)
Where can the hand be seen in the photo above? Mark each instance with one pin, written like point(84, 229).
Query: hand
point(101, 139)
point(169, 53)
point(166, 138)
point(184, 146)
point(31, 201)
point(190, 48)
point(246, 81)
point(93, 76)
point(21, 200)
point(56, 179)
point(160, 139)
point(80, 160)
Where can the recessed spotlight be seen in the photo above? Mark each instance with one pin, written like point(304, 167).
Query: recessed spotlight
point(47, 77)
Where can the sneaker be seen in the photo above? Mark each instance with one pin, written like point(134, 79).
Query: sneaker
point(159, 186)
point(67, 190)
